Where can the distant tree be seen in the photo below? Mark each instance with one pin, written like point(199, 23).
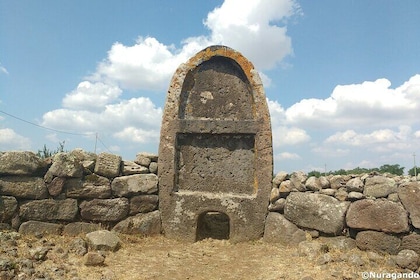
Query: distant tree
point(412, 173)
point(314, 173)
point(393, 169)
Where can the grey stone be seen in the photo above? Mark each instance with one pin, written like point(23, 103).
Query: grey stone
point(23, 187)
point(275, 194)
point(280, 177)
point(108, 165)
point(330, 192)
point(103, 240)
point(353, 196)
point(339, 243)
point(379, 186)
point(215, 147)
point(393, 197)
point(313, 184)
point(285, 188)
point(355, 260)
point(77, 228)
point(411, 242)
point(407, 259)
point(337, 181)
point(143, 204)
point(130, 168)
point(381, 215)
point(341, 194)
point(66, 165)
point(325, 183)
point(297, 180)
point(56, 186)
point(279, 230)
point(153, 167)
point(132, 185)
point(146, 224)
point(146, 158)
point(316, 211)
point(378, 242)
point(8, 207)
point(49, 210)
point(278, 205)
point(36, 228)
point(355, 185)
point(19, 163)
point(409, 195)
point(105, 210)
point(94, 259)
point(93, 186)
point(39, 253)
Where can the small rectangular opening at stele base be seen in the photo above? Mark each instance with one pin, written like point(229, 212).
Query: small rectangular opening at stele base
point(213, 224)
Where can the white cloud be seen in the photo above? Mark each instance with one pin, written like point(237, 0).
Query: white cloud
point(138, 135)
point(287, 155)
point(10, 140)
point(236, 23)
point(90, 95)
point(349, 106)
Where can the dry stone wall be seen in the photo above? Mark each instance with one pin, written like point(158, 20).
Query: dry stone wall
point(80, 192)
point(380, 212)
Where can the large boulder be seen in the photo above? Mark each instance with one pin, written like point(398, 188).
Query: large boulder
point(316, 211)
point(108, 165)
point(37, 227)
point(146, 224)
point(103, 240)
point(93, 186)
point(20, 163)
point(49, 210)
point(105, 210)
point(143, 203)
point(378, 241)
point(65, 165)
point(127, 186)
point(409, 194)
point(381, 215)
point(379, 186)
point(23, 187)
point(411, 242)
point(280, 230)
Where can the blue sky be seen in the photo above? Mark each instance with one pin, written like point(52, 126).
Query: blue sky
point(342, 78)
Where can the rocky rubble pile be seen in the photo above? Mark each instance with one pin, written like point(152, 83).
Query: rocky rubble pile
point(381, 212)
point(78, 191)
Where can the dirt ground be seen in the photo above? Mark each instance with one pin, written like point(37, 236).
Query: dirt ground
point(161, 258)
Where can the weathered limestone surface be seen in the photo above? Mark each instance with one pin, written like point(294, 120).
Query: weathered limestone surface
point(280, 230)
point(108, 165)
point(103, 240)
point(20, 163)
point(378, 241)
point(49, 210)
point(316, 211)
point(23, 187)
point(409, 194)
point(94, 186)
point(143, 204)
point(66, 165)
point(131, 185)
point(381, 215)
point(379, 186)
point(105, 210)
point(37, 227)
point(143, 224)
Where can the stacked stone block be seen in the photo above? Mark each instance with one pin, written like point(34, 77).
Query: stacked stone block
point(79, 192)
point(380, 211)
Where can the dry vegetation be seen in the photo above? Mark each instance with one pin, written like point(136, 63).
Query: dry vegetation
point(160, 258)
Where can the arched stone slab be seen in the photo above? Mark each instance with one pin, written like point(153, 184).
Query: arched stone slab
point(215, 152)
